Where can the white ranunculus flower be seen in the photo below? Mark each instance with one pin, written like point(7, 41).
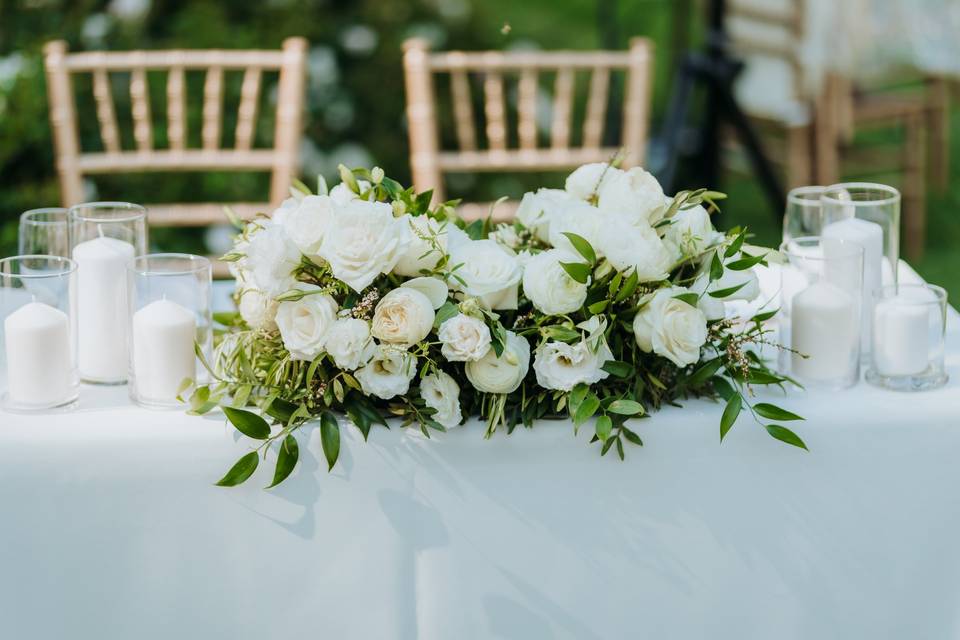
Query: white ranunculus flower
point(491, 374)
point(550, 288)
point(638, 247)
point(403, 316)
point(442, 393)
point(307, 223)
point(634, 195)
point(490, 272)
point(349, 343)
point(270, 260)
point(421, 254)
point(690, 232)
point(585, 181)
point(388, 374)
point(363, 241)
point(304, 323)
point(434, 288)
point(582, 219)
point(256, 308)
point(563, 366)
point(670, 327)
point(537, 209)
point(464, 338)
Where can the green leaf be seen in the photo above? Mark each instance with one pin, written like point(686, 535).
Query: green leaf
point(280, 410)
point(561, 332)
point(758, 376)
point(598, 307)
point(729, 291)
point(745, 263)
point(730, 413)
point(628, 287)
point(763, 317)
point(226, 318)
point(704, 373)
point(248, 423)
point(445, 312)
point(240, 471)
point(582, 246)
point(785, 435)
point(603, 427)
point(618, 368)
point(330, 438)
point(286, 460)
point(716, 267)
point(576, 397)
point(773, 412)
point(577, 270)
point(586, 409)
point(625, 407)
point(631, 436)
point(723, 387)
point(735, 245)
point(690, 298)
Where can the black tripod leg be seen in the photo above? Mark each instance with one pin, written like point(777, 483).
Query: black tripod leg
point(674, 124)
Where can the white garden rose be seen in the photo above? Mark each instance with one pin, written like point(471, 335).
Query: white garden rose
point(550, 288)
point(585, 181)
point(634, 195)
point(670, 327)
point(690, 232)
point(349, 344)
point(442, 393)
point(489, 271)
point(270, 260)
point(492, 374)
point(637, 247)
point(749, 290)
point(582, 219)
point(464, 338)
point(434, 288)
point(388, 373)
point(307, 223)
point(421, 255)
point(563, 366)
point(256, 308)
point(537, 209)
point(403, 316)
point(342, 194)
point(304, 323)
point(363, 241)
point(279, 215)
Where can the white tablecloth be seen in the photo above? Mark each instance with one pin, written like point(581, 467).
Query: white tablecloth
point(110, 528)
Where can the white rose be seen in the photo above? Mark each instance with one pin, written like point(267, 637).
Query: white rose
point(464, 338)
point(550, 288)
point(442, 393)
point(304, 323)
point(491, 374)
point(420, 254)
point(489, 271)
point(670, 327)
point(690, 232)
point(271, 258)
point(434, 288)
point(279, 215)
point(363, 241)
point(563, 366)
point(342, 194)
point(585, 182)
point(582, 219)
point(506, 234)
point(403, 316)
point(307, 223)
point(633, 194)
point(637, 247)
point(730, 278)
point(388, 374)
point(256, 308)
point(348, 343)
point(537, 209)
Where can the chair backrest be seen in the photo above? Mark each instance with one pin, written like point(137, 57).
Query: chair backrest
point(280, 160)
point(766, 31)
point(488, 143)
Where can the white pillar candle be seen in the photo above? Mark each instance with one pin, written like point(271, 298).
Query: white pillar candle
point(163, 355)
point(825, 327)
point(39, 363)
point(868, 235)
point(900, 337)
point(102, 313)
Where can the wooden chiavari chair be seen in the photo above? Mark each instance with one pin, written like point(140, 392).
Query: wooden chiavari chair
point(488, 144)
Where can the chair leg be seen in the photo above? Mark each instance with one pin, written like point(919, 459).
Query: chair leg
point(799, 163)
point(826, 135)
point(914, 188)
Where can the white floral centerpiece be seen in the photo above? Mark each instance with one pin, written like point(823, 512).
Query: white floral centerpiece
point(601, 302)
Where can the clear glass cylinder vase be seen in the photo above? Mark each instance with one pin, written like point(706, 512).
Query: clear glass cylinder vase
point(43, 232)
point(38, 322)
point(803, 216)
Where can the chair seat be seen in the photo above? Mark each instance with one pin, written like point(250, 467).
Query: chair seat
point(201, 214)
point(503, 212)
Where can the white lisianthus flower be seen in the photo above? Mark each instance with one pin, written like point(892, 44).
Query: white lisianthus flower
point(582, 219)
point(634, 195)
point(464, 338)
point(304, 323)
point(349, 344)
point(363, 241)
point(307, 223)
point(550, 288)
point(271, 258)
point(388, 373)
point(537, 209)
point(491, 374)
point(690, 232)
point(441, 393)
point(256, 308)
point(563, 366)
point(488, 271)
point(637, 247)
point(586, 181)
point(403, 316)
point(421, 255)
point(670, 327)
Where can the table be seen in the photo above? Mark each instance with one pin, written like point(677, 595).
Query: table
point(111, 528)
